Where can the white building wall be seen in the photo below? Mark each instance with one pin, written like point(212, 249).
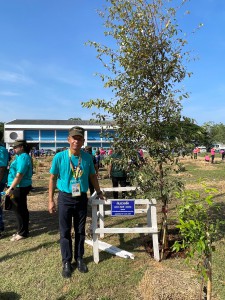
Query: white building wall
point(13, 132)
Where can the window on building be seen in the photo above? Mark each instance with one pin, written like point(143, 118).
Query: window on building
point(31, 135)
point(108, 135)
point(94, 135)
point(61, 135)
point(47, 145)
point(99, 145)
point(62, 145)
point(47, 135)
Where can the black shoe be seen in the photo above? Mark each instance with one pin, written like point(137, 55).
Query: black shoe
point(81, 266)
point(67, 270)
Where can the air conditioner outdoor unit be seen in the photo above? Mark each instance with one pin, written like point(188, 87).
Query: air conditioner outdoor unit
point(12, 135)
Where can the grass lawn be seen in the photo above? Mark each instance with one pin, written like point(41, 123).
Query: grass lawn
point(31, 268)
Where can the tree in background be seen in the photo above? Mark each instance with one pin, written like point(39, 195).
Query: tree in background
point(216, 132)
point(144, 69)
point(194, 135)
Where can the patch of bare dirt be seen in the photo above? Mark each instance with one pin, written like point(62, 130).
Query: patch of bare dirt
point(169, 284)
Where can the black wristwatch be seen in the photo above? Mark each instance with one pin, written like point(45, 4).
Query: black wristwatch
point(99, 193)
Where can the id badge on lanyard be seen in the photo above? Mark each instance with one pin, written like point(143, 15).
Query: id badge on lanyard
point(75, 188)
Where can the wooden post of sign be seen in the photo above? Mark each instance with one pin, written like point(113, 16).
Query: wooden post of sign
point(101, 218)
point(152, 222)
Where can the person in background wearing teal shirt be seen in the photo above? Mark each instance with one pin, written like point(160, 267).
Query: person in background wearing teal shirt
point(117, 173)
point(70, 171)
point(4, 158)
point(19, 186)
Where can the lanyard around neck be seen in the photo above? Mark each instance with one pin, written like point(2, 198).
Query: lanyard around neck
point(75, 169)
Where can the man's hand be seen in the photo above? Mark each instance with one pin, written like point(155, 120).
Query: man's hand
point(51, 207)
point(8, 192)
point(101, 196)
point(52, 185)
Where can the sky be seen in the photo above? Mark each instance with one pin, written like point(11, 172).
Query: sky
point(46, 70)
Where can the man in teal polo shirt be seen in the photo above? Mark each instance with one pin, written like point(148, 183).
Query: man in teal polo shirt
point(70, 171)
point(117, 173)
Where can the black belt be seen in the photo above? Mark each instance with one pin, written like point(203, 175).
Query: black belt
point(70, 194)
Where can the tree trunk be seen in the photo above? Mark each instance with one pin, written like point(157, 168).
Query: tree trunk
point(164, 232)
point(209, 267)
point(209, 281)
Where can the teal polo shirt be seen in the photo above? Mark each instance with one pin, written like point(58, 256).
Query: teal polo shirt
point(61, 167)
point(4, 158)
point(21, 164)
point(116, 170)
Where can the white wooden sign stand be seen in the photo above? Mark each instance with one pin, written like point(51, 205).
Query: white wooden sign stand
point(98, 227)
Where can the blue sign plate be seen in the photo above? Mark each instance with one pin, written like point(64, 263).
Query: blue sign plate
point(122, 207)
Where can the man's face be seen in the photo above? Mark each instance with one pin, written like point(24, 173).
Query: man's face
point(76, 142)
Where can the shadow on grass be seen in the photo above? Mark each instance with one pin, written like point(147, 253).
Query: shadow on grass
point(40, 222)
point(132, 245)
point(103, 255)
point(9, 296)
point(13, 255)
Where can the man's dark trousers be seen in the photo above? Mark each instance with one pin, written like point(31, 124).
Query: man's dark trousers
point(72, 208)
point(116, 181)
